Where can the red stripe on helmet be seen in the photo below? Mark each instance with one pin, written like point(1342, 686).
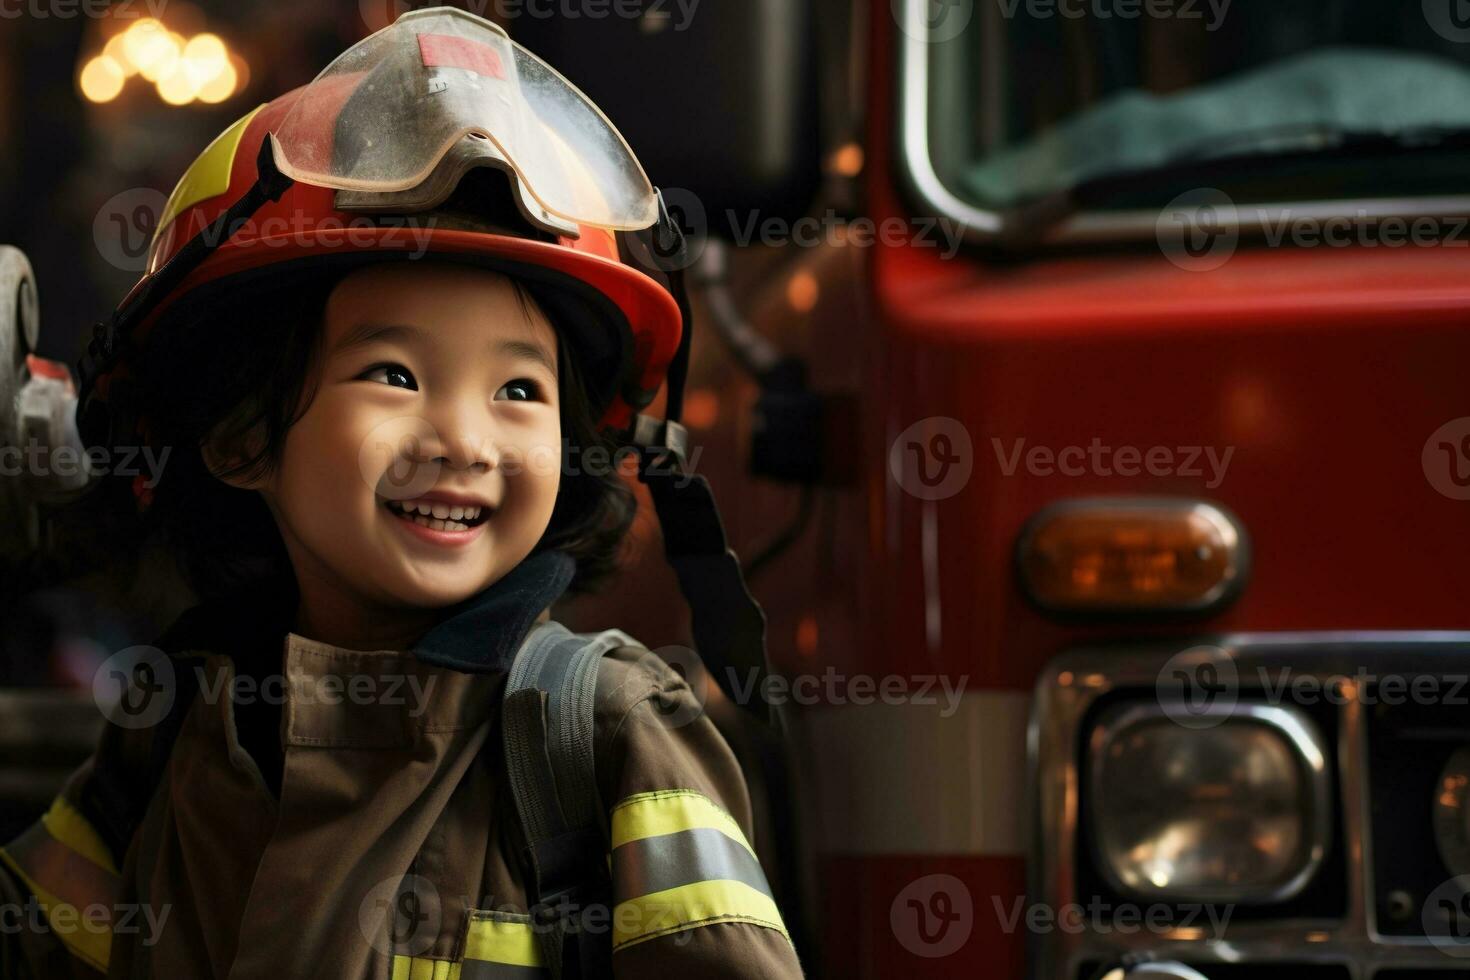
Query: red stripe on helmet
point(446, 51)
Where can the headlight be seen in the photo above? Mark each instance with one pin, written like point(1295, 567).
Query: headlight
point(1452, 815)
point(1237, 812)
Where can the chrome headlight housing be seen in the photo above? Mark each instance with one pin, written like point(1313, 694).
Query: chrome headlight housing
point(1235, 811)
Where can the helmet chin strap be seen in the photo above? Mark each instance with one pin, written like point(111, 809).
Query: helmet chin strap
point(728, 623)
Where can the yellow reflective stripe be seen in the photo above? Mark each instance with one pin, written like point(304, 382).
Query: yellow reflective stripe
point(93, 948)
point(691, 906)
point(65, 823)
point(505, 949)
point(496, 941)
point(209, 175)
point(668, 811)
point(423, 968)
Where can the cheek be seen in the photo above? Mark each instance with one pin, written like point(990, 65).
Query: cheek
point(546, 462)
point(321, 470)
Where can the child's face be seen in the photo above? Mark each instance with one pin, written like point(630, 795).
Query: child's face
point(437, 404)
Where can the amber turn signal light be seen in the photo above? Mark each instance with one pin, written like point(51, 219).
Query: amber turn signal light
point(1132, 554)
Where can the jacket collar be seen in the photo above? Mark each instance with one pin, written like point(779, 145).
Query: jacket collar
point(481, 634)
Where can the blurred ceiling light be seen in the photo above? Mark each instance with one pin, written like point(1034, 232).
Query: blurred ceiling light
point(803, 291)
point(701, 408)
point(114, 50)
point(220, 87)
point(151, 48)
point(846, 160)
point(205, 58)
point(165, 53)
point(102, 79)
point(182, 70)
point(176, 88)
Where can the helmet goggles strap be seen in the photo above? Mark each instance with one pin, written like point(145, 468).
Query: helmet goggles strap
point(728, 623)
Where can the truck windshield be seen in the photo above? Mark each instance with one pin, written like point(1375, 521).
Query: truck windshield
point(1039, 97)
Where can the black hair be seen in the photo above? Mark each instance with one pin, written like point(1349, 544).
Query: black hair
point(240, 359)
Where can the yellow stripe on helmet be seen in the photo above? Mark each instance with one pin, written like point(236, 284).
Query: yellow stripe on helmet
point(209, 175)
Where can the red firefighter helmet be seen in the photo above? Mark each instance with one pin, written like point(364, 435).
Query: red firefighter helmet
point(357, 167)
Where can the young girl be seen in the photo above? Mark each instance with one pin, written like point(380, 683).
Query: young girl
point(388, 336)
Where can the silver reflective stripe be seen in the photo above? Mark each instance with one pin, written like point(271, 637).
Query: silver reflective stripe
point(655, 864)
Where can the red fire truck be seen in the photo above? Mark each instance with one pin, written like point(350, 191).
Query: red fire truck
point(1089, 411)
point(1162, 468)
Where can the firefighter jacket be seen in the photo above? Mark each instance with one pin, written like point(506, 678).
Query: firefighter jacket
point(326, 812)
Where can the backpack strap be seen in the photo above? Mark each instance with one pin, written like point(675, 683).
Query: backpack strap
point(548, 727)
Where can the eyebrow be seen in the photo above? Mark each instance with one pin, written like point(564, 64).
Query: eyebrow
point(371, 333)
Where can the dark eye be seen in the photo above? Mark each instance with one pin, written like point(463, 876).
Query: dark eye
point(529, 387)
point(389, 373)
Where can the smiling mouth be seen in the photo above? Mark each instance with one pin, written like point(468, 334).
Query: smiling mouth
point(456, 518)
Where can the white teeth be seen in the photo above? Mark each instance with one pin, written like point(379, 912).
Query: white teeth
point(437, 525)
point(437, 511)
point(441, 525)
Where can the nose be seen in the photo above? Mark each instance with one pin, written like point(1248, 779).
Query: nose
point(462, 438)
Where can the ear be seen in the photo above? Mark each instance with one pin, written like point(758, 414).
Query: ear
point(224, 450)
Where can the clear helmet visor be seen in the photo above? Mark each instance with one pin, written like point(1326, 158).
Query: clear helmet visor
point(386, 112)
